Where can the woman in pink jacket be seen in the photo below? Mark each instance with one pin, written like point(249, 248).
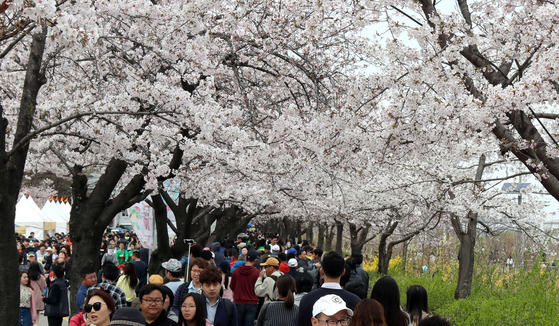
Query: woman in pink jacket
point(38, 284)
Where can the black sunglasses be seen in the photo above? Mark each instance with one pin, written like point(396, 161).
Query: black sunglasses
point(96, 306)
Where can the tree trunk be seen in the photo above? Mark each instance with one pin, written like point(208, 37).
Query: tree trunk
point(321, 234)
point(309, 234)
point(466, 259)
point(329, 237)
point(404, 256)
point(358, 237)
point(193, 222)
point(9, 268)
point(11, 176)
point(91, 215)
point(339, 236)
point(232, 221)
point(383, 255)
point(467, 240)
point(163, 251)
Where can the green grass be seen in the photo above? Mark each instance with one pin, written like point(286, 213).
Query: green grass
point(498, 298)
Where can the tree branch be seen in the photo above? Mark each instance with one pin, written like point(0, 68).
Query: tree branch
point(26, 139)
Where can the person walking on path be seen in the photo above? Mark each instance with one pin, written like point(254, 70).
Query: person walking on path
point(283, 311)
point(56, 301)
point(242, 283)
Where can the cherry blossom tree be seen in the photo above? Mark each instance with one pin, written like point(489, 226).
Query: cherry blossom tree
point(476, 71)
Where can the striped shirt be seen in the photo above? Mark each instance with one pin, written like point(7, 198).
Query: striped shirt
point(275, 313)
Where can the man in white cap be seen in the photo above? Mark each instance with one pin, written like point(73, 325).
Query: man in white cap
point(275, 249)
point(332, 270)
point(331, 310)
point(173, 272)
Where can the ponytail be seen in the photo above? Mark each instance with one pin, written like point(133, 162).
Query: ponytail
point(286, 286)
point(289, 299)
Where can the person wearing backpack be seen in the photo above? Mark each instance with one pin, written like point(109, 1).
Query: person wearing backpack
point(219, 311)
point(266, 283)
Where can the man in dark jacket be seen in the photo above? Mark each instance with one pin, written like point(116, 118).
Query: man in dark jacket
point(216, 248)
point(141, 271)
point(56, 300)
point(152, 297)
point(358, 259)
point(242, 283)
point(333, 267)
point(219, 311)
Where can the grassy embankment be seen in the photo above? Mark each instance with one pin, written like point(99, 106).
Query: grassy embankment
point(499, 296)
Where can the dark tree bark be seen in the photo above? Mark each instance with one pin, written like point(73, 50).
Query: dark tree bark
point(299, 231)
point(339, 235)
point(309, 234)
point(358, 236)
point(232, 221)
point(330, 232)
point(290, 229)
point(12, 165)
point(91, 214)
point(386, 247)
point(467, 239)
point(322, 229)
point(163, 251)
point(192, 221)
point(184, 212)
point(465, 255)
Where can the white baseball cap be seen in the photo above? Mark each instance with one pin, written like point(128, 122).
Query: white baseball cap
point(330, 305)
point(292, 262)
point(275, 248)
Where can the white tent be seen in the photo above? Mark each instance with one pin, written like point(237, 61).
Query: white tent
point(54, 211)
point(29, 215)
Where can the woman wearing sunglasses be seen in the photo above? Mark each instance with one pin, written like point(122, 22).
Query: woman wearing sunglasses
point(98, 309)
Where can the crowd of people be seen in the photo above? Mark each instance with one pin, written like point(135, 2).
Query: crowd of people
point(249, 280)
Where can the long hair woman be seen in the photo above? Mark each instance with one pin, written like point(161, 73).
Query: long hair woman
point(225, 269)
point(193, 310)
point(416, 303)
point(98, 309)
point(128, 282)
point(387, 293)
point(38, 284)
point(21, 254)
point(283, 311)
point(368, 312)
point(27, 312)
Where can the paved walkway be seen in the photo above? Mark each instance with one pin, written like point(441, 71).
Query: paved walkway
point(44, 322)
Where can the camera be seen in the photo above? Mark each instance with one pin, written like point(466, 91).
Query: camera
point(189, 241)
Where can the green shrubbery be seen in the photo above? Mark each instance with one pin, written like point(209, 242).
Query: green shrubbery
point(498, 297)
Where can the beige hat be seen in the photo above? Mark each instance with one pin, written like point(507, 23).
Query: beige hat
point(156, 279)
point(271, 262)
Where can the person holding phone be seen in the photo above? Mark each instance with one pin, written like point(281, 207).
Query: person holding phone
point(97, 311)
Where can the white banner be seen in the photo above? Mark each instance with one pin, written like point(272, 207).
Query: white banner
point(141, 218)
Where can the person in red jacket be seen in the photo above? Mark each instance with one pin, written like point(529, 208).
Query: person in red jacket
point(242, 283)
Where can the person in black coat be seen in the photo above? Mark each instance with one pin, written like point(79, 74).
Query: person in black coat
point(56, 301)
point(219, 311)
